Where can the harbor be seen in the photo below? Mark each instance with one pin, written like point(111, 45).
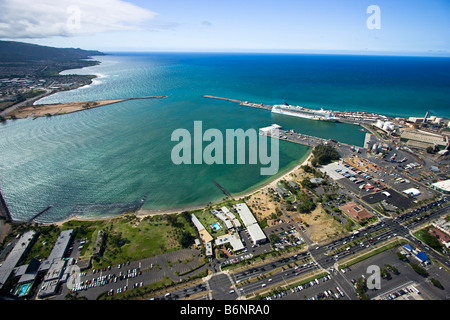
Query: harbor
point(352, 117)
point(242, 103)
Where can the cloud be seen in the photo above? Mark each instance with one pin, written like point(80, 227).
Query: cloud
point(207, 23)
point(24, 19)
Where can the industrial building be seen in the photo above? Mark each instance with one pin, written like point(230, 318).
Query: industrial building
point(425, 138)
point(411, 192)
point(269, 131)
point(442, 186)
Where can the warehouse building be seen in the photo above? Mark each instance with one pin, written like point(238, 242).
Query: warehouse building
point(442, 186)
point(270, 131)
point(425, 138)
point(412, 192)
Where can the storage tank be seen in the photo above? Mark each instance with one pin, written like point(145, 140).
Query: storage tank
point(388, 126)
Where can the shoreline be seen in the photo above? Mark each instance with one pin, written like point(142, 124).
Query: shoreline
point(143, 213)
point(56, 109)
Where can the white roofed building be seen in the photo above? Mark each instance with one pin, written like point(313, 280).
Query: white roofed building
point(412, 192)
point(231, 216)
point(443, 186)
point(254, 230)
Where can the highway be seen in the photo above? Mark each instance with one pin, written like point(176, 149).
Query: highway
point(383, 231)
point(267, 275)
point(20, 104)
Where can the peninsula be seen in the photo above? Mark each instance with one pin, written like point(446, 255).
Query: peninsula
point(47, 110)
point(29, 72)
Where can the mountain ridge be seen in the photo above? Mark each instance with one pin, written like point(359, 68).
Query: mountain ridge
point(12, 51)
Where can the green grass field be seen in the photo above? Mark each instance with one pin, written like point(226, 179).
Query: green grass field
point(130, 238)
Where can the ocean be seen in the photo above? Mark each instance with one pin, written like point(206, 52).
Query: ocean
point(102, 162)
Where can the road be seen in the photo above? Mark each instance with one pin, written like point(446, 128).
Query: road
point(383, 231)
point(20, 104)
point(232, 285)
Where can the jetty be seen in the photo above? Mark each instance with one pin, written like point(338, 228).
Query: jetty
point(243, 103)
point(39, 213)
point(47, 110)
point(4, 211)
point(222, 189)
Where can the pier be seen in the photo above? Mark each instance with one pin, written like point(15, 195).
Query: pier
point(222, 189)
point(242, 103)
point(288, 135)
point(40, 213)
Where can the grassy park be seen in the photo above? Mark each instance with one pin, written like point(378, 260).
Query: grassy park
point(127, 237)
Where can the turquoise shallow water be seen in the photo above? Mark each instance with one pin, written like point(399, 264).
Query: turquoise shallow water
point(103, 161)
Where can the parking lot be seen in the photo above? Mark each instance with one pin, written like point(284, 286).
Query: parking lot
point(394, 198)
point(406, 276)
point(370, 181)
point(132, 274)
point(249, 251)
point(322, 288)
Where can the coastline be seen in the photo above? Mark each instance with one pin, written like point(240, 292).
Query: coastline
point(47, 110)
point(143, 213)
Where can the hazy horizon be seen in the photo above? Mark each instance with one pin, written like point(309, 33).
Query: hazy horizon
point(384, 27)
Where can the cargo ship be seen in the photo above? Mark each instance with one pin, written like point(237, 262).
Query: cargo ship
point(297, 111)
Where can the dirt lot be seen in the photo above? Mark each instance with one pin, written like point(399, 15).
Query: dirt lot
point(322, 226)
point(59, 108)
point(262, 205)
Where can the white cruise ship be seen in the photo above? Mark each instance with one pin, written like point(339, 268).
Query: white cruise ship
point(297, 111)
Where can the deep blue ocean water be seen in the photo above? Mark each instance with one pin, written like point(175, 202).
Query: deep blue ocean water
point(102, 161)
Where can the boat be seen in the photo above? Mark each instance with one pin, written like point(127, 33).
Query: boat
point(301, 112)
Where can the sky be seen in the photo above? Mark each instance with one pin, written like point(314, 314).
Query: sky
point(304, 26)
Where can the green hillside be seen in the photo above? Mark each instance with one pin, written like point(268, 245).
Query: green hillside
point(11, 51)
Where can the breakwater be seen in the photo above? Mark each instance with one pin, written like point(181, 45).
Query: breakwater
point(4, 211)
point(242, 103)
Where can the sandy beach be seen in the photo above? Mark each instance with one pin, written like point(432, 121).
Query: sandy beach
point(272, 183)
point(142, 213)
